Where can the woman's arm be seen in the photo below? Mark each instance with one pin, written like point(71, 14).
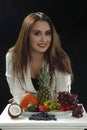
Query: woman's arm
point(15, 86)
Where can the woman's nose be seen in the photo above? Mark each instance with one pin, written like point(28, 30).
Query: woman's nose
point(43, 38)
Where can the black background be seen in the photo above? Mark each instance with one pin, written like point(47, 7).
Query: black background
point(69, 18)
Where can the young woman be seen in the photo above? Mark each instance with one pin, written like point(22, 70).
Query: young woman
point(37, 42)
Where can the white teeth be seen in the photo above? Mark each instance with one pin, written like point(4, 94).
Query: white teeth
point(42, 45)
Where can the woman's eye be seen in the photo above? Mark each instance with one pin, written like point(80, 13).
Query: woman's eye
point(37, 33)
point(48, 33)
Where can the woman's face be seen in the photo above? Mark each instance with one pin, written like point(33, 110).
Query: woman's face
point(40, 37)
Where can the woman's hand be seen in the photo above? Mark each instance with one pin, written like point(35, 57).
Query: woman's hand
point(11, 101)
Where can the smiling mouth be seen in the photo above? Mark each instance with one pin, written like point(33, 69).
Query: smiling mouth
point(42, 45)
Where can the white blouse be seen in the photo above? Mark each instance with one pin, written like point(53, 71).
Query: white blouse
point(60, 82)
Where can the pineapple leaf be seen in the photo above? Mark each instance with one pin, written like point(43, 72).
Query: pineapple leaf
point(44, 76)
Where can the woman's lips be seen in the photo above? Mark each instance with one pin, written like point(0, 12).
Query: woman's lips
point(42, 45)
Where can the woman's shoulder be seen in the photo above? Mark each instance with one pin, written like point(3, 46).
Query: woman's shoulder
point(9, 52)
point(9, 55)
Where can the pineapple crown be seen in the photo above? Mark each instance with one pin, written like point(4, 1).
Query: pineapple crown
point(44, 76)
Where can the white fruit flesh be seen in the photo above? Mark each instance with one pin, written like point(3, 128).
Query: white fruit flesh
point(14, 110)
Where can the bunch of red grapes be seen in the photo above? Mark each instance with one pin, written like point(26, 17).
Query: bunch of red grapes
point(69, 99)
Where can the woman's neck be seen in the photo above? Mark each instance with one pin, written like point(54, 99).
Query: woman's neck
point(35, 64)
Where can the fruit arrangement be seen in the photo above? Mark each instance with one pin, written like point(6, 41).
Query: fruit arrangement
point(43, 103)
point(65, 102)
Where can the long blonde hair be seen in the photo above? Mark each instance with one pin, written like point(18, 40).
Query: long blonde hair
point(55, 56)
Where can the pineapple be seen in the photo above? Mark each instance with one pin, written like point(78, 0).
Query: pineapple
point(44, 93)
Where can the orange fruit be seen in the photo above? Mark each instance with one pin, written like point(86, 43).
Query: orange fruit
point(26, 99)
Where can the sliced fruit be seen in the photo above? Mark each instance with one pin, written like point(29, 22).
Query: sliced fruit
point(32, 107)
point(27, 99)
point(14, 110)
